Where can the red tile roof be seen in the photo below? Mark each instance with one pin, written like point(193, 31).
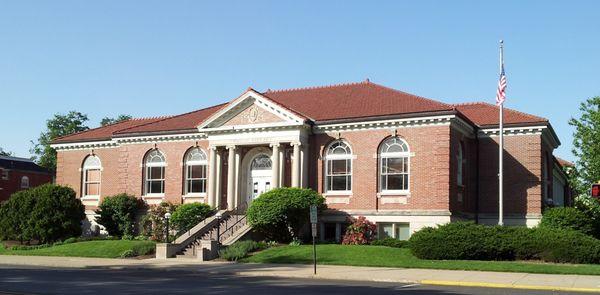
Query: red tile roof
point(485, 114)
point(184, 122)
point(104, 132)
point(350, 101)
point(353, 100)
point(563, 162)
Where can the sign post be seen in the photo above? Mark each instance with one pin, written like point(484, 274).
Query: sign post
point(313, 223)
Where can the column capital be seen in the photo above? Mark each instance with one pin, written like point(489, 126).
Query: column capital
point(231, 147)
point(276, 144)
point(213, 147)
point(296, 143)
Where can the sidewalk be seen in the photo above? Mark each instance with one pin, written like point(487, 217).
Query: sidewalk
point(421, 276)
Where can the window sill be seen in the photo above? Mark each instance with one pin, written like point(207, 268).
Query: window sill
point(200, 195)
point(338, 193)
point(153, 196)
point(394, 193)
point(90, 198)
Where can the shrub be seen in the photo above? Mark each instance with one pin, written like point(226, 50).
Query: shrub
point(360, 232)
point(238, 250)
point(153, 222)
point(390, 242)
point(281, 213)
point(127, 254)
point(70, 240)
point(46, 213)
point(146, 248)
point(117, 214)
point(591, 208)
point(567, 218)
point(187, 216)
point(469, 241)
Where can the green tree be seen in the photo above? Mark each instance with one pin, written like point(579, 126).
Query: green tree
point(57, 126)
point(107, 120)
point(586, 145)
point(117, 214)
point(5, 153)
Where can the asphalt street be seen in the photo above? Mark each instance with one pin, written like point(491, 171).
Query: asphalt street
point(29, 280)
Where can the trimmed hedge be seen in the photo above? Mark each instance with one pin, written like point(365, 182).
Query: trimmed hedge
point(189, 215)
point(117, 214)
point(567, 218)
point(469, 241)
point(390, 242)
point(239, 250)
point(281, 213)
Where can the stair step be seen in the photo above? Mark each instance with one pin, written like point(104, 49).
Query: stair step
point(185, 256)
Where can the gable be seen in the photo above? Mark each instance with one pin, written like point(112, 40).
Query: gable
point(253, 114)
point(251, 108)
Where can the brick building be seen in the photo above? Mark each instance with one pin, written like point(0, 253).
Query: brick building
point(401, 160)
point(19, 173)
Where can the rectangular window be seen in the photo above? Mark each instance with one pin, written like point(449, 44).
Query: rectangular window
point(4, 174)
point(339, 175)
point(155, 180)
point(400, 231)
point(394, 174)
point(196, 179)
point(92, 182)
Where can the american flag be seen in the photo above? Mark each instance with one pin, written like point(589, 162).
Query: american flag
point(501, 92)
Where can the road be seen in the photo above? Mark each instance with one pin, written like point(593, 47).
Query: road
point(29, 280)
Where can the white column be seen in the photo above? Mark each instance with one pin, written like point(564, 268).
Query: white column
point(304, 165)
point(281, 166)
point(275, 165)
point(218, 180)
point(236, 194)
point(212, 175)
point(231, 178)
point(296, 165)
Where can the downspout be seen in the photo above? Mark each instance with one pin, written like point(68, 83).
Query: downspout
point(478, 180)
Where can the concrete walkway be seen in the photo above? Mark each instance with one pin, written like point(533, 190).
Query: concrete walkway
point(381, 274)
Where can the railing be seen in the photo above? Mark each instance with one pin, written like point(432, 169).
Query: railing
point(238, 214)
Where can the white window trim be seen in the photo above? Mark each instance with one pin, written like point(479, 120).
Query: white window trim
point(22, 182)
point(87, 196)
point(385, 155)
point(327, 158)
point(146, 166)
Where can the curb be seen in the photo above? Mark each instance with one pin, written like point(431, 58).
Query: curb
point(508, 286)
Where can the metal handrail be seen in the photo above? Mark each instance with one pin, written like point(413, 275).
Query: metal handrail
point(236, 212)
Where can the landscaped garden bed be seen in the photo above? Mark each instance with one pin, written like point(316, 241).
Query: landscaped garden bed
point(95, 248)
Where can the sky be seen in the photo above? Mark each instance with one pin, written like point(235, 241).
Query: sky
point(152, 58)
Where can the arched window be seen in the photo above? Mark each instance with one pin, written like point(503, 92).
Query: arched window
point(394, 165)
point(92, 172)
point(261, 162)
point(338, 167)
point(24, 182)
point(195, 171)
point(154, 164)
point(460, 162)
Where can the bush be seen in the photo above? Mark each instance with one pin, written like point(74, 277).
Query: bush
point(127, 254)
point(390, 242)
point(117, 214)
point(153, 222)
point(591, 208)
point(281, 213)
point(46, 213)
point(144, 249)
point(238, 250)
point(360, 232)
point(187, 216)
point(469, 241)
point(567, 218)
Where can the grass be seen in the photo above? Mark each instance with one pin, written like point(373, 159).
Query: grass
point(99, 248)
point(401, 257)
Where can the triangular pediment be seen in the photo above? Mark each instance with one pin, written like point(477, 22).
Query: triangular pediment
point(249, 109)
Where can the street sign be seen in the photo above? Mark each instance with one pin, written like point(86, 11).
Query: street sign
point(314, 230)
point(313, 214)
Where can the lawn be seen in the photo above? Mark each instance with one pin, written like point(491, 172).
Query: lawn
point(401, 257)
point(99, 248)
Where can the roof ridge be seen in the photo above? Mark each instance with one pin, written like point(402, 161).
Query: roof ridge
point(410, 94)
point(495, 106)
point(367, 81)
point(167, 117)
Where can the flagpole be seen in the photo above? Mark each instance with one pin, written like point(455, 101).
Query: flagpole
point(501, 150)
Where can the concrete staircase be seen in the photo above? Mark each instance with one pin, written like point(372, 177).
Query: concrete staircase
point(202, 241)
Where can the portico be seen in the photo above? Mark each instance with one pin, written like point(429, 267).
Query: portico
point(239, 173)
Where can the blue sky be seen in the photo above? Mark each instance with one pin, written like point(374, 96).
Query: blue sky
point(149, 58)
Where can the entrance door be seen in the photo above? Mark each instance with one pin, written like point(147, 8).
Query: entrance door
point(259, 180)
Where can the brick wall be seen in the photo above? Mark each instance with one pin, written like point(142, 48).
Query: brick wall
point(13, 183)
